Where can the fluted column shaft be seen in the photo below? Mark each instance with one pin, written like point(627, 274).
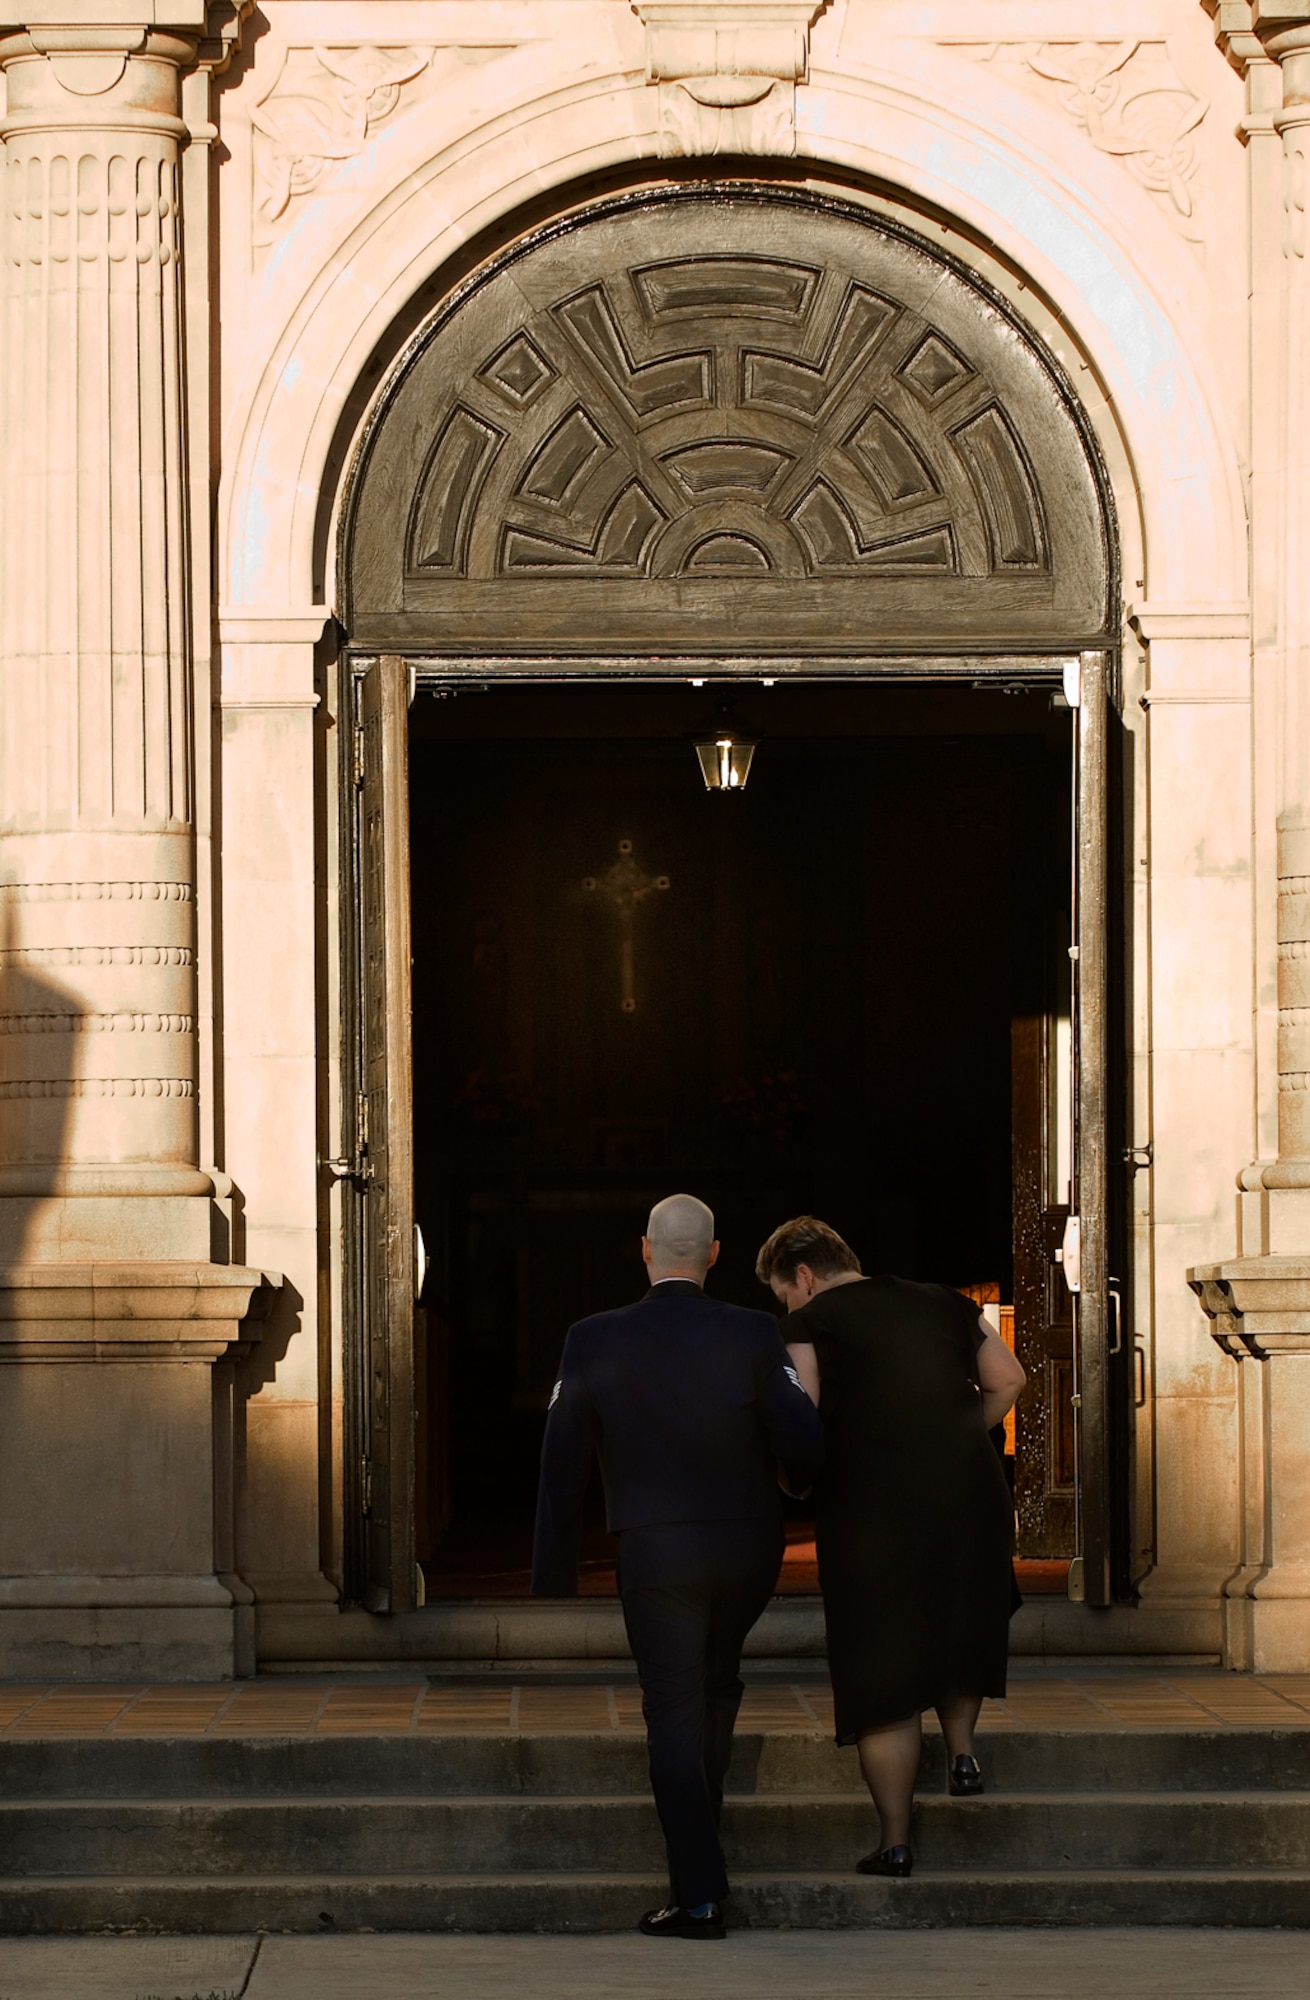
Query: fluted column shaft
point(1291, 49)
point(97, 908)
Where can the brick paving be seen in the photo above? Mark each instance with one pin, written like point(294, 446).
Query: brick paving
point(339, 1706)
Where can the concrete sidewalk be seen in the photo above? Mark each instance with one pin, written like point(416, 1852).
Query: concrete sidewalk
point(796, 1965)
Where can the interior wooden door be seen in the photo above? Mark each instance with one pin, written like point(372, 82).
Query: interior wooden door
point(1098, 1331)
point(1067, 1333)
point(1045, 1461)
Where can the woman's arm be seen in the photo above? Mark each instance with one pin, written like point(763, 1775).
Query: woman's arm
point(806, 1363)
point(1000, 1377)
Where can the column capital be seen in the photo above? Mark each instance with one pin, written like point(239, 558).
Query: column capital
point(1283, 30)
point(186, 30)
point(82, 18)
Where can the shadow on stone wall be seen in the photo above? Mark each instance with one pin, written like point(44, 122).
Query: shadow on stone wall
point(41, 1024)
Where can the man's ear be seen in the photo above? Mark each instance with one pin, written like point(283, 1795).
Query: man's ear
point(646, 1252)
point(714, 1253)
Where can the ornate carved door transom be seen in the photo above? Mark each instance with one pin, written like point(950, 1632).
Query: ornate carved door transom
point(725, 418)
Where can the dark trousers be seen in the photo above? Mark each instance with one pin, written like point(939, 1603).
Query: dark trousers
point(691, 1593)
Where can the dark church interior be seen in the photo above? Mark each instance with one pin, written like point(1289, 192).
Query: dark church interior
point(796, 997)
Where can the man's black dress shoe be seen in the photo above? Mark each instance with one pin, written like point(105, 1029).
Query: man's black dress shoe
point(673, 1921)
point(966, 1779)
point(891, 1861)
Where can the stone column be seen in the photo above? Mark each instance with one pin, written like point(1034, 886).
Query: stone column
point(97, 901)
point(117, 1487)
point(1259, 1302)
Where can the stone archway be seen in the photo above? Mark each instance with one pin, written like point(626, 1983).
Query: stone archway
point(702, 425)
point(743, 417)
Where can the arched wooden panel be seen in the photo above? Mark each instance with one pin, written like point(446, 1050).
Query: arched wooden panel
point(722, 418)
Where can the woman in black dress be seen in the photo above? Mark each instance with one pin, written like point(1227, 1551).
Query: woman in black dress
point(915, 1523)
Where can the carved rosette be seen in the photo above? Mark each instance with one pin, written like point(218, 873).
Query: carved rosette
point(97, 918)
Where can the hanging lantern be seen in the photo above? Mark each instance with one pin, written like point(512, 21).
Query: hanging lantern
point(725, 761)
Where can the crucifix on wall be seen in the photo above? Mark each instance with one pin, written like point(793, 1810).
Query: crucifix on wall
point(626, 885)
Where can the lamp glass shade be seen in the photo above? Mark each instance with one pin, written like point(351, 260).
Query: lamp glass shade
point(725, 762)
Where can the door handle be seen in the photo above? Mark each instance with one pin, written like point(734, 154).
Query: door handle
point(1116, 1317)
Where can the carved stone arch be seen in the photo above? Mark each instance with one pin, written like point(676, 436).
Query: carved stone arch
point(746, 418)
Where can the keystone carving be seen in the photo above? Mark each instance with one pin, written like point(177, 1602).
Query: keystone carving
point(727, 72)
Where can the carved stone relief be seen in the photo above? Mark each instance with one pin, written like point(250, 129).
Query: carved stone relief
point(727, 72)
point(759, 121)
point(1129, 100)
point(719, 398)
point(321, 109)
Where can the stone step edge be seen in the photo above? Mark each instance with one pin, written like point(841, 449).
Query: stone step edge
point(1248, 1898)
point(771, 1801)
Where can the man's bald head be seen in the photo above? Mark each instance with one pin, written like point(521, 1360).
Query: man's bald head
point(679, 1240)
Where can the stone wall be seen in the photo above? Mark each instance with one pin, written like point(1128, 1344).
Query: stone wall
point(328, 170)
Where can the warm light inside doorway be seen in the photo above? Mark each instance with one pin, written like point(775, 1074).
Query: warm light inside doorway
point(725, 762)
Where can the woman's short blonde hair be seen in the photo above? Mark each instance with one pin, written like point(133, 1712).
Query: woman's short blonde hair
point(804, 1240)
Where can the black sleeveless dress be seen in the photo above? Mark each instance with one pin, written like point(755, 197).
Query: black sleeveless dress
point(915, 1523)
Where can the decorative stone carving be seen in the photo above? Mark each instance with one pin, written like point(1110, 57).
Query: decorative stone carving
point(692, 125)
point(1129, 100)
point(322, 109)
point(756, 401)
point(727, 72)
point(856, 439)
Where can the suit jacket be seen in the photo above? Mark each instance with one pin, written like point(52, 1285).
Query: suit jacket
point(690, 1404)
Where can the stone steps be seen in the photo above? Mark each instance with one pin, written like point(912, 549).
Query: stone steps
point(555, 1831)
point(560, 1762)
point(385, 1837)
point(562, 1901)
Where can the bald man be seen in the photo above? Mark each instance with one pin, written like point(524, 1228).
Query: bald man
point(692, 1407)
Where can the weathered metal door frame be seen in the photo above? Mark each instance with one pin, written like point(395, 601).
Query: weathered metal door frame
point(378, 1145)
point(378, 1150)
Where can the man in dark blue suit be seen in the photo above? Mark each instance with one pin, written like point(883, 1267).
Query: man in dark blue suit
point(692, 1407)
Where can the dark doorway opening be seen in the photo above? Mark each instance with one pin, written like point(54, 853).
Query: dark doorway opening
point(814, 1010)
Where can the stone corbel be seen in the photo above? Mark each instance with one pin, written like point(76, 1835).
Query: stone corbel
point(131, 1312)
point(727, 71)
point(1234, 32)
point(1257, 1305)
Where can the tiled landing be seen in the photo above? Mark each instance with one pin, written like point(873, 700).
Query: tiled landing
point(1105, 1700)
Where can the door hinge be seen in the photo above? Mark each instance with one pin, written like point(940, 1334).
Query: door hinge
point(366, 1486)
point(355, 1167)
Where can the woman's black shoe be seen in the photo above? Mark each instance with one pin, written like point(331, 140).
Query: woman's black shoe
point(891, 1861)
point(672, 1921)
point(966, 1779)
